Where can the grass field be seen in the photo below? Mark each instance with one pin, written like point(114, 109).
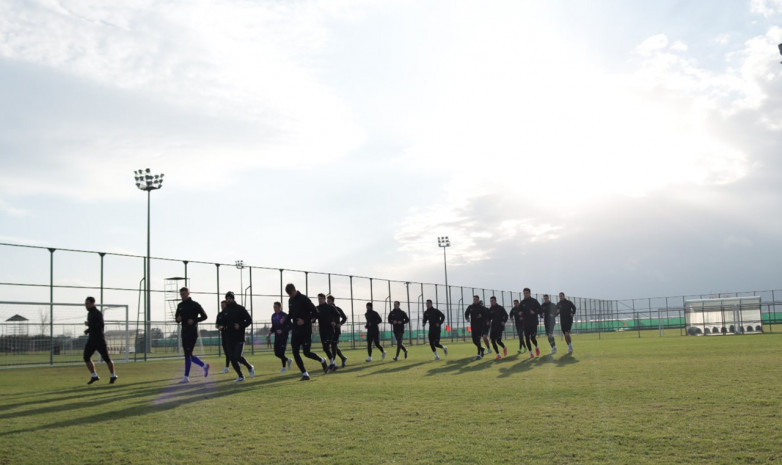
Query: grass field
point(619, 400)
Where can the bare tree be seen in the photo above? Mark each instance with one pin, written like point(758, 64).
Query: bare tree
point(43, 312)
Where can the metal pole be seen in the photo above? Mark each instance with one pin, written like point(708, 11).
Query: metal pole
point(410, 332)
point(252, 316)
point(281, 286)
point(51, 306)
point(219, 333)
point(148, 282)
point(352, 316)
point(102, 254)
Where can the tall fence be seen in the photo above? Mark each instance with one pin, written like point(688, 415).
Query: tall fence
point(40, 291)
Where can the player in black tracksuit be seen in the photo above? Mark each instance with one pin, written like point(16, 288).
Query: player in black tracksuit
point(373, 331)
point(236, 319)
point(530, 309)
point(220, 325)
point(477, 314)
point(337, 330)
point(566, 311)
point(96, 341)
point(435, 318)
point(302, 313)
point(515, 315)
point(398, 319)
point(281, 325)
point(189, 313)
point(327, 322)
point(498, 319)
point(549, 321)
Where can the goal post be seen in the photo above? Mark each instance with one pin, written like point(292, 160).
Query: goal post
point(34, 333)
point(723, 316)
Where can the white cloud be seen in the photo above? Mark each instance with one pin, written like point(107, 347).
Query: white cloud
point(765, 7)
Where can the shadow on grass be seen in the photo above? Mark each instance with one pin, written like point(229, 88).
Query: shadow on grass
point(520, 366)
point(395, 368)
point(566, 359)
point(452, 365)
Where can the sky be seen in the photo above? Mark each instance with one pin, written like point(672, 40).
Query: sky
point(607, 149)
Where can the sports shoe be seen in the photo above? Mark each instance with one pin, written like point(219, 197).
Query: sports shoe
point(553, 350)
point(537, 351)
point(488, 351)
point(93, 379)
point(518, 351)
point(395, 358)
point(206, 370)
point(252, 372)
point(344, 362)
point(405, 354)
point(383, 356)
point(570, 350)
point(436, 357)
point(113, 379)
point(289, 363)
point(369, 359)
point(498, 357)
point(283, 370)
point(304, 377)
point(504, 351)
point(184, 380)
point(333, 367)
point(445, 350)
point(531, 355)
point(239, 379)
point(478, 357)
point(325, 366)
point(225, 370)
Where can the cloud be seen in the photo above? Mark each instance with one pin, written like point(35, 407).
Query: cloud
point(766, 7)
point(182, 83)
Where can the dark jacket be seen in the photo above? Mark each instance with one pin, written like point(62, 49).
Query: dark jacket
point(281, 323)
point(327, 314)
point(477, 315)
point(236, 314)
point(530, 309)
point(190, 310)
point(498, 317)
point(566, 309)
point(94, 324)
point(398, 315)
point(435, 318)
point(301, 307)
point(373, 321)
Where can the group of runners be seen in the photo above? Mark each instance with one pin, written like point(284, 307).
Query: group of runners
point(485, 324)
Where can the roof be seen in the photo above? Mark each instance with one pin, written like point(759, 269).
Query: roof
point(17, 317)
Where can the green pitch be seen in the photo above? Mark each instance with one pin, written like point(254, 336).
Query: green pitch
point(617, 400)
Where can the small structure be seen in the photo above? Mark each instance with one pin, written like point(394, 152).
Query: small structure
point(723, 316)
point(17, 325)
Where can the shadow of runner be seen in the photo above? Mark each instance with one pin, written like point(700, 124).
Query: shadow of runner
point(397, 367)
point(566, 359)
point(449, 365)
point(519, 367)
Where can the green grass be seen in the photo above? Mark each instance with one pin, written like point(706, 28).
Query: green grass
point(617, 400)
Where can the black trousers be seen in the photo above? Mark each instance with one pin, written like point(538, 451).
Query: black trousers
point(302, 342)
point(434, 339)
point(373, 337)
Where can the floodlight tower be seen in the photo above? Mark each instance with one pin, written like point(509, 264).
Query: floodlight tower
point(146, 181)
point(240, 267)
point(444, 242)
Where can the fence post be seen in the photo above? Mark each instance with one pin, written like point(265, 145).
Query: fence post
point(352, 315)
point(219, 333)
point(51, 305)
point(252, 315)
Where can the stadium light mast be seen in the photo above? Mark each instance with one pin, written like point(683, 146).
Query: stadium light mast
point(444, 242)
point(240, 267)
point(146, 181)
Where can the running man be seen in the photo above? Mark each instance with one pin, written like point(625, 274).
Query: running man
point(486, 330)
point(280, 328)
point(237, 319)
point(220, 325)
point(373, 332)
point(189, 313)
point(566, 311)
point(327, 321)
point(530, 309)
point(498, 319)
point(96, 341)
point(398, 319)
point(515, 315)
point(302, 313)
point(435, 318)
point(549, 321)
point(337, 330)
point(477, 314)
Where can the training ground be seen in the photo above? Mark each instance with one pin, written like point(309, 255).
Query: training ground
point(622, 399)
